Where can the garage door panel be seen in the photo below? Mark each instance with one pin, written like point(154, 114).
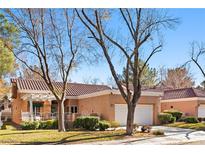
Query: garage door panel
point(143, 114)
point(201, 111)
point(121, 113)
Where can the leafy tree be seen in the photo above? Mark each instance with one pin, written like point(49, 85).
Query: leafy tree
point(148, 77)
point(4, 88)
point(6, 60)
point(8, 36)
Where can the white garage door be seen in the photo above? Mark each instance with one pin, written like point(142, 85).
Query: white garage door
point(143, 114)
point(201, 111)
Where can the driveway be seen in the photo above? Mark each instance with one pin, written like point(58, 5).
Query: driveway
point(172, 136)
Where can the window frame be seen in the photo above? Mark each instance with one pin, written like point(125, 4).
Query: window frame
point(73, 109)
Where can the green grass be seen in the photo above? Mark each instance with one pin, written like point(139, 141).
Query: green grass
point(55, 137)
point(196, 126)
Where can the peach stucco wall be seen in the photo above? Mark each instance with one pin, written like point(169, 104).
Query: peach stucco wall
point(189, 108)
point(69, 102)
point(105, 105)
point(102, 105)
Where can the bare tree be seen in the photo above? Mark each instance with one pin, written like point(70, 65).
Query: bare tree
point(91, 80)
point(50, 39)
point(179, 77)
point(26, 73)
point(139, 26)
point(197, 51)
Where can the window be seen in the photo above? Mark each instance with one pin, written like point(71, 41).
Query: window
point(37, 107)
point(71, 109)
point(54, 107)
point(171, 107)
point(74, 109)
point(37, 110)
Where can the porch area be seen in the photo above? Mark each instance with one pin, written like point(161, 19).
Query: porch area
point(47, 109)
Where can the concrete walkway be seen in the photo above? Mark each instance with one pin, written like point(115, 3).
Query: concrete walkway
point(172, 136)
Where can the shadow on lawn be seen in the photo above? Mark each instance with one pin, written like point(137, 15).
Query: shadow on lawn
point(67, 141)
point(15, 133)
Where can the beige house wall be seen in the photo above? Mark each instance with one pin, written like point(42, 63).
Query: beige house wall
point(189, 108)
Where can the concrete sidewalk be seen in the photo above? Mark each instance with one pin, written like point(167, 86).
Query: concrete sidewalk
point(172, 136)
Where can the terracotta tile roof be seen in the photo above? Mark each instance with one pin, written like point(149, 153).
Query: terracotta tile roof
point(73, 89)
point(147, 89)
point(183, 93)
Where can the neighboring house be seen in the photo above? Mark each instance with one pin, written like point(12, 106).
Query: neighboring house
point(5, 108)
point(32, 100)
point(190, 101)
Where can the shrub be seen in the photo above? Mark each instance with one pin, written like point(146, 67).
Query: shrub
point(158, 132)
point(28, 125)
point(49, 124)
point(164, 118)
point(200, 119)
point(86, 122)
point(114, 124)
point(3, 127)
point(189, 119)
point(55, 124)
point(173, 120)
point(103, 125)
point(42, 125)
point(174, 113)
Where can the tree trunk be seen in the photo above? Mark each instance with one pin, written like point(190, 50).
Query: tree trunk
point(130, 119)
point(61, 117)
point(131, 112)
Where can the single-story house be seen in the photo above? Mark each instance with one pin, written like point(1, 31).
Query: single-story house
point(190, 101)
point(32, 100)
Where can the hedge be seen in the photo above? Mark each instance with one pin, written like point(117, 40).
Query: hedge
point(174, 113)
point(173, 120)
point(29, 125)
point(91, 123)
point(189, 119)
point(86, 122)
point(164, 118)
point(48, 124)
point(103, 125)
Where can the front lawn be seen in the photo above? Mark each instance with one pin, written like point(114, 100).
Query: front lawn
point(196, 126)
point(55, 137)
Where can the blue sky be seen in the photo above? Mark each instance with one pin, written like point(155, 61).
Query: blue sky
point(175, 52)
